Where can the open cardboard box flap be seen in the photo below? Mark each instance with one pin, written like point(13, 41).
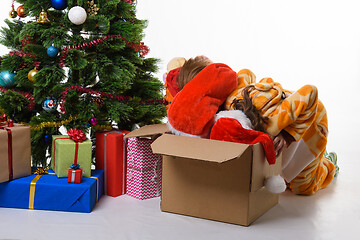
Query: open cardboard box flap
point(148, 131)
point(208, 150)
point(218, 152)
point(198, 148)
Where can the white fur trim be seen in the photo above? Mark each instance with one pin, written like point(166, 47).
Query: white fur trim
point(237, 115)
point(177, 132)
point(275, 184)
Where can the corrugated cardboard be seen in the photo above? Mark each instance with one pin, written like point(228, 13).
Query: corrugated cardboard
point(215, 180)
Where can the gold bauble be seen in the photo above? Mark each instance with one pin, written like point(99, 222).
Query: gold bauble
point(13, 13)
point(21, 11)
point(31, 75)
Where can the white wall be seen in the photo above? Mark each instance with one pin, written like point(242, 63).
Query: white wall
point(294, 42)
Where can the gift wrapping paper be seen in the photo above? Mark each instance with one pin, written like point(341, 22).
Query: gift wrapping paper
point(48, 192)
point(143, 183)
point(143, 169)
point(75, 175)
point(15, 152)
point(110, 156)
point(63, 155)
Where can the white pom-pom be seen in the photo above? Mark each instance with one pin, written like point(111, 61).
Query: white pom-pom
point(275, 184)
point(77, 15)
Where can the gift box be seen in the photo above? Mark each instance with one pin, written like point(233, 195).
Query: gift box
point(65, 152)
point(75, 175)
point(48, 192)
point(143, 183)
point(143, 169)
point(110, 156)
point(15, 152)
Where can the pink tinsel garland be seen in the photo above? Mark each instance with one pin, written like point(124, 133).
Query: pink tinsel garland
point(103, 94)
point(25, 94)
point(139, 47)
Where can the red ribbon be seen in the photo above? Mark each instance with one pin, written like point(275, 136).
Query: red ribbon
point(10, 155)
point(3, 118)
point(3, 121)
point(76, 135)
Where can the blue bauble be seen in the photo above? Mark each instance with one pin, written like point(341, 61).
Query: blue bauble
point(49, 104)
point(47, 138)
point(59, 4)
point(52, 51)
point(7, 79)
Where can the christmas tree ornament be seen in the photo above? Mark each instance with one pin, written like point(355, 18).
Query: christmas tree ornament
point(47, 138)
point(98, 101)
point(49, 104)
point(52, 51)
point(31, 75)
point(93, 121)
point(43, 18)
point(59, 4)
point(77, 15)
point(7, 79)
point(92, 8)
point(13, 13)
point(21, 11)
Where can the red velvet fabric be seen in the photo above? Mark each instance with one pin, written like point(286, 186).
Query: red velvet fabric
point(171, 81)
point(193, 108)
point(229, 129)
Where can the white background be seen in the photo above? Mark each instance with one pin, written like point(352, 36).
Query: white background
point(294, 42)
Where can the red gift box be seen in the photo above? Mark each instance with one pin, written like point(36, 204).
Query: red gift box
point(75, 175)
point(110, 153)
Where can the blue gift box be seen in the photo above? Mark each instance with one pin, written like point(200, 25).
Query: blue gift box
point(48, 192)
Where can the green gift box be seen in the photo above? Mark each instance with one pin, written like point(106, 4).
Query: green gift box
point(65, 152)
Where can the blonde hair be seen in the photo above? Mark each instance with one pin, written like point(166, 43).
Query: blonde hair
point(190, 69)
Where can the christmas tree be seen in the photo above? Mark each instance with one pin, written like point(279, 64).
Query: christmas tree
point(78, 64)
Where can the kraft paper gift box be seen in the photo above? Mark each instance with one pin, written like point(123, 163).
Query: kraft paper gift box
point(15, 152)
point(110, 156)
point(216, 180)
point(63, 155)
point(143, 169)
point(48, 192)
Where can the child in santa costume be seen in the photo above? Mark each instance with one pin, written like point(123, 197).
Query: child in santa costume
point(296, 120)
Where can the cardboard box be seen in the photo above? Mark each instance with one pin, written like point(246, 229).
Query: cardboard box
point(110, 155)
point(216, 180)
point(15, 162)
point(48, 192)
point(63, 155)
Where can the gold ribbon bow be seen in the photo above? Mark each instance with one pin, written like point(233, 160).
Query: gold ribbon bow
point(39, 172)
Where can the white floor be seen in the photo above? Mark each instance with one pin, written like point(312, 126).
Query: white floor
point(332, 213)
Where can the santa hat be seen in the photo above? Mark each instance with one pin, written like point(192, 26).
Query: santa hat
point(193, 109)
point(171, 81)
point(234, 126)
